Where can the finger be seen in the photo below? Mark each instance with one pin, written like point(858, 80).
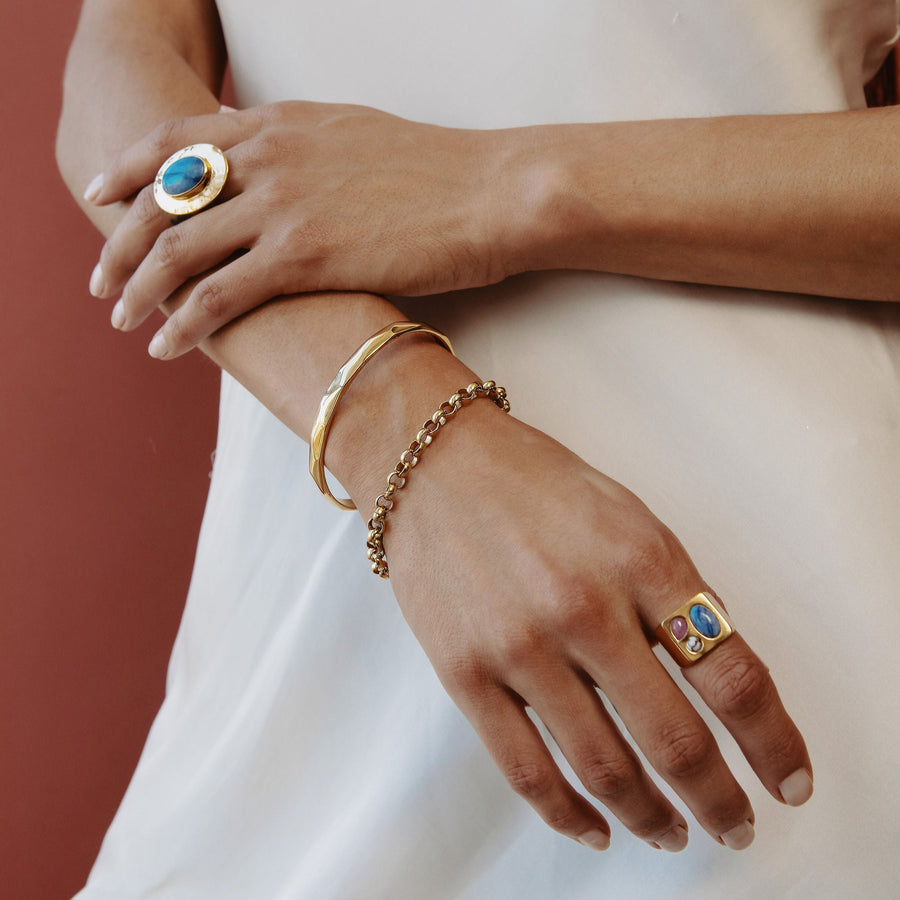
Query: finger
point(673, 736)
point(181, 253)
point(603, 761)
point(146, 229)
point(217, 299)
point(132, 239)
point(137, 166)
point(737, 687)
point(522, 756)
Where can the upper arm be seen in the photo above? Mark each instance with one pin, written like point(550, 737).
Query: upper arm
point(190, 28)
point(132, 65)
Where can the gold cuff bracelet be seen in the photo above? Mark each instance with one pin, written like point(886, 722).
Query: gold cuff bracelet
point(342, 381)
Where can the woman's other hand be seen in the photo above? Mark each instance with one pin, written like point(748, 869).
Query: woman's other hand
point(318, 197)
point(532, 580)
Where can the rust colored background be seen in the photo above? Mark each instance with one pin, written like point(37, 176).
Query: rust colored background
point(104, 463)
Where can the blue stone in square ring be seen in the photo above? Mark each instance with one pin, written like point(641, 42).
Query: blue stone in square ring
point(695, 628)
point(704, 621)
point(190, 179)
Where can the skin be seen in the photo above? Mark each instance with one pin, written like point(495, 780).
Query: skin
point(335, 197)
point(523, 623)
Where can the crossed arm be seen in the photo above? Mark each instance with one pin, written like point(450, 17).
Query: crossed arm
point(337, 197)
point(789, 208)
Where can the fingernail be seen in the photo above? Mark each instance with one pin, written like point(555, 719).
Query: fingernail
point(596, 840)
point(797, 788)
point(225, 109)
point(118, 315)
point(92, 192)
point(674, 840)
point(740, 837)
point(158, 348)
point(96, 285)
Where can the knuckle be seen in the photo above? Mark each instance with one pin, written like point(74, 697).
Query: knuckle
point(683, 750)
point(532, 780)
point(269, 195)
point(274, 113)
point(289, 240)
point(786, 751)
point(144, 208)
point(581, 611)
point(465, 673)
point(274, 146)
point(312, 248)
point(169, 249)
point(654, 559)
point(742, 689)
point(284, 268)
point(163, 138)
point(652, 826)
point(609, 778)
point(725, 813)
point(521, 647)
point(575, 604)
point(211, 297)
point(565, 818)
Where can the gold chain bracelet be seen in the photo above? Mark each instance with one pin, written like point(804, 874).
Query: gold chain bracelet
point(410, 456)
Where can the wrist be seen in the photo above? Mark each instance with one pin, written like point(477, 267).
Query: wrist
point(384, 408)
point(546, 213)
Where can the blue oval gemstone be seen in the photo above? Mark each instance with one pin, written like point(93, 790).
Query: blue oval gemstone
point(704, 621)
point(184, 176)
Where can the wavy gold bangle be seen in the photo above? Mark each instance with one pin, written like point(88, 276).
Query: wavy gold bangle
point(342, 381)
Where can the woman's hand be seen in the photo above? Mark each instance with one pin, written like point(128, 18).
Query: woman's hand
point(318, 197)
point(531, 580)
point(327, 197)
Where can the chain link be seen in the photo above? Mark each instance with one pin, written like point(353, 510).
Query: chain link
point(410, 456)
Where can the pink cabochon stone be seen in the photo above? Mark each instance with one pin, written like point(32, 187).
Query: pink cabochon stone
point(679, 627)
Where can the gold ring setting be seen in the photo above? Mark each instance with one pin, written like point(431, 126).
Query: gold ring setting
point(695, 628)
point(190, 179)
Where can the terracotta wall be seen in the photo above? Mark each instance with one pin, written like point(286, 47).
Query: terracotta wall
point(104, 462)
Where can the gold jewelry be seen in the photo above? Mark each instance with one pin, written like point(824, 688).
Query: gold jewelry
point(190, 179)
point(695, 628)
point(410, 456)
point(343, 379)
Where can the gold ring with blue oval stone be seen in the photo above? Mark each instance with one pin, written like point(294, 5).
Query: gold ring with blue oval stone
point(190, 179)
point(695, 628)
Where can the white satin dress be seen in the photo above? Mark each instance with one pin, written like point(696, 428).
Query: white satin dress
point(305, 750)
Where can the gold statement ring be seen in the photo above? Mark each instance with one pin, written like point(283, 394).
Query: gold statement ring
point(190, 179)
point(695, 628)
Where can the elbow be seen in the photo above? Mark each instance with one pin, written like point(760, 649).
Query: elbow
point(69, 144)
point(65, 155)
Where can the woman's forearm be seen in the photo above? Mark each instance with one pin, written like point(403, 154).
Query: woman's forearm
point(355, 199)
point(285, 352)
point(800, 203)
